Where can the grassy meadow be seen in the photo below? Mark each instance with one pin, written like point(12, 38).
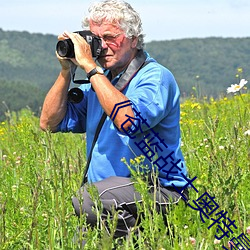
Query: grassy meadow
point(40, 172)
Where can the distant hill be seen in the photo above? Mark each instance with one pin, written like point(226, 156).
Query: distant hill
point(28, 66)
point(28, 58)
point(209, 64)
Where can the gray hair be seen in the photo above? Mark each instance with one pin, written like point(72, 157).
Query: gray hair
point(120, 13)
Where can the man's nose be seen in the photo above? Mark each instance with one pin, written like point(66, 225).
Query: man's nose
point(104, 44)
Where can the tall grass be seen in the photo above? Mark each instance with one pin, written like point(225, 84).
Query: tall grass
point(40, 172)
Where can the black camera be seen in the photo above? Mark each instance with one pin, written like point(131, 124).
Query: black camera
point(65, 48)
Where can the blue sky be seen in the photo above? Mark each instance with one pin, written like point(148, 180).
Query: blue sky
point(162, 19)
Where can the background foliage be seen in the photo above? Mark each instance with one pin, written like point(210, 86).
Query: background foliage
point(28, 66)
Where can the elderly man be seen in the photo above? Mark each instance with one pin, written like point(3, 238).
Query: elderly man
point(147, 125)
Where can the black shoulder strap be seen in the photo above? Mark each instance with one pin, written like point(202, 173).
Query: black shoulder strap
point(136, 64)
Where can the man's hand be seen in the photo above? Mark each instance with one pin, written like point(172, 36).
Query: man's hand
point(83, 54)
point(66, 63)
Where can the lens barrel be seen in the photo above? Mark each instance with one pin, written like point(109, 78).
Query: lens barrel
point(65, 48)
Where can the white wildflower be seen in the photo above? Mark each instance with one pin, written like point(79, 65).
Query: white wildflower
point(216, 241)
point(237, 87)
point(247, 133)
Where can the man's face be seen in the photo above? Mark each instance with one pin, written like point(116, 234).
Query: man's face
point(118, 50)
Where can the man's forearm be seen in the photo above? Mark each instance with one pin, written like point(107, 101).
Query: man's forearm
point(108, 97)
point(55, 103)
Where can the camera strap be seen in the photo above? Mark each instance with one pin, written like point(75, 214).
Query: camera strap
point(136, 64)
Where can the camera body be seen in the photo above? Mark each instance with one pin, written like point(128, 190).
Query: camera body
point(65, 48)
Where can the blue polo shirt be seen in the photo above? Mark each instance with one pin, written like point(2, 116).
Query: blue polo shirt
point(154, 95)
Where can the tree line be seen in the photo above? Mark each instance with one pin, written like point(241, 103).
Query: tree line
point(202, 67)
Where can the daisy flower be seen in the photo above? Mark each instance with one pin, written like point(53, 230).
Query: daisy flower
point(237, 87)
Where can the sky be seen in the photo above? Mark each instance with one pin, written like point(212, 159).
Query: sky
point(162, 19)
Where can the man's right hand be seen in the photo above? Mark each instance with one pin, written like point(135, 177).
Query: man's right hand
point(66, 63)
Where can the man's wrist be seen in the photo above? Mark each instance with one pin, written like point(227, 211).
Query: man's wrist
point(65, 73)
point(96, 70)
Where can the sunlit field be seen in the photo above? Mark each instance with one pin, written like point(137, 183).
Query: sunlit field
point(40, 172)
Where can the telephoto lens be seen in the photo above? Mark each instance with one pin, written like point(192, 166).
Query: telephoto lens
point(65, 48)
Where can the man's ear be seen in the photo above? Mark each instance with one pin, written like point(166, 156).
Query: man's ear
point(134, 42)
